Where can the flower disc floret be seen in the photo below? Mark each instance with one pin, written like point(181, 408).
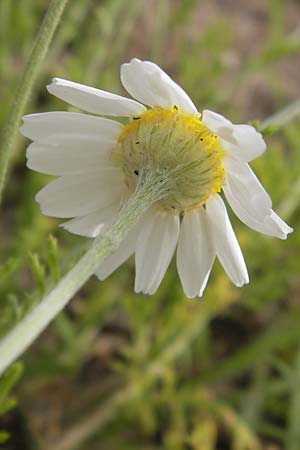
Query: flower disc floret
point(174, 144)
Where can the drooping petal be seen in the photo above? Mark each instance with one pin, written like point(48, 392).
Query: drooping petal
point(94, 100)
point(78, 195)
point(149, 84)
point(155, 248)
point(246, 187)
point(39, 127)
point(218, 124)
point(92, 224)
point(270, 225)
point(250, 143)
point(225, 241)
point(284, 227)
point(125, 250)
point(195, 253)
point(243, 142)
point(70, 154)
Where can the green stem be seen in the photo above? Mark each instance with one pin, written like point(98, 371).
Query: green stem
point(150, 188)
point(41, 45)
point(283, 116)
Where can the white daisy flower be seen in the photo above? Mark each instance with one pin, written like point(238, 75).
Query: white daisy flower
point(99, 160)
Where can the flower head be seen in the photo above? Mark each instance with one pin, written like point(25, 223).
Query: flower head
point(99, 162)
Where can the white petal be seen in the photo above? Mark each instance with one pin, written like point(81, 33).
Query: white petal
point(92, 224)
point(195, 253)
point(94, 100)
point(243, 142)
point(149, 84)
point(227, 246)
point(78, 195)
point(270, 225)
point(218, 124)
point(284, 228)
point(155, 248)
point(125, 250)
point(38, 127)
point(250, 143)
point(70, 154)
point(246, 187)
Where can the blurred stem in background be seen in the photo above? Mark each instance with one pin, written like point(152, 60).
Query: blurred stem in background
point(272, 123)
point(39, 51)
point(282, 117)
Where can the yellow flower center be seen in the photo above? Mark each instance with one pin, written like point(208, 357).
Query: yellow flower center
point(170, 141)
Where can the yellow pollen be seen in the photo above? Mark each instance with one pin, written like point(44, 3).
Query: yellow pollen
point(167, 139)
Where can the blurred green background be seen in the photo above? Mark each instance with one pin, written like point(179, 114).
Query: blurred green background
point(120, 371)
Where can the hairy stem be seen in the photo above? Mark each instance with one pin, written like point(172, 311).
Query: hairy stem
point(149, 189)
point(39, 51)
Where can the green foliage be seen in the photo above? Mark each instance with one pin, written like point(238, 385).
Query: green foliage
point(7, 382)
point(123, 371)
